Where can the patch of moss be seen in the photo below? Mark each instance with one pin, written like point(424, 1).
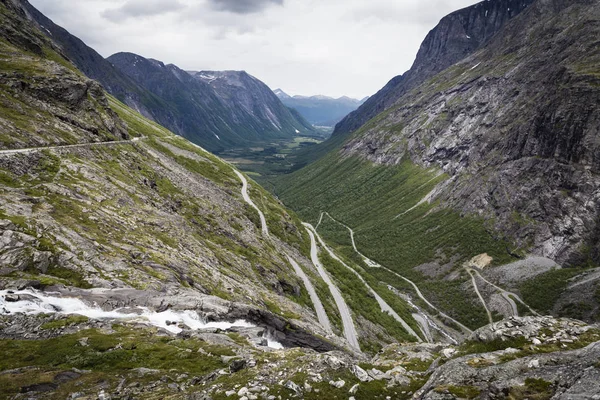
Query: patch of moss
point(112, 354)
point(61, 323)
point(275, 309)
point(476, 347)
point(74, 278)
point(461, 392)
point(534, 389)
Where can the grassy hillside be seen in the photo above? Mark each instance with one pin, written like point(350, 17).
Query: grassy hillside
point(381, 204)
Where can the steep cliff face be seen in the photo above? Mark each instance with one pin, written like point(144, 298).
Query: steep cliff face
point(515, 126)
point(94, 66)
point(456, 36)
point(44, 99)
point(252, 103)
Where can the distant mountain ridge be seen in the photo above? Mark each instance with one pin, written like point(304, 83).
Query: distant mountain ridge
point(320, 110)
point(170, 96)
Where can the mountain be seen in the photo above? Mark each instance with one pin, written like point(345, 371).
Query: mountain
point(251, 102)
point(281, 94)
point(94, 195)
point(229, 113)
point(456, 36)
point(320, 110)
point(127, 250)
point(195, 112)
point(491, 162)
point(94, 66)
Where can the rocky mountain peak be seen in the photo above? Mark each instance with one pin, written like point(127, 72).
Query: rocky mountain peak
point(455, 37)
point(281, 94)
point(462, 32)
point(233, 78)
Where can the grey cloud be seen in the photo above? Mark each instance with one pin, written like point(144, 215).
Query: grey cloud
point(243, 6)
point(142, 8)
point(423, 13)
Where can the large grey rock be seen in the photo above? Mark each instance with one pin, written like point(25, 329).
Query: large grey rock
point(361, 374)
point(572, 372)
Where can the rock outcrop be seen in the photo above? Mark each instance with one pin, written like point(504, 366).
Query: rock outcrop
point(64, 100)
point(533, 369)
point(515, 126)
point(457, 36)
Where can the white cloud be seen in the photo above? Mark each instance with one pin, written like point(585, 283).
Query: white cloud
point(243, 6)
point(332, 47)
point(142, 8)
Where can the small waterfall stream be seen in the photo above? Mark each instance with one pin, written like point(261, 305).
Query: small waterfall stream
point(32, 302)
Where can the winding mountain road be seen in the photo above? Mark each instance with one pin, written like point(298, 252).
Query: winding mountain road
point(511, 302)
point(423, 323)
point(372, 263)
point(247, 199)
point(318, 305)
point(509, 296)
point(431, 321)
point(366, 259)
point(595, 276)
point(385, 307)
point(347, 322)
point(68, 146)
point(319, 309)
point(487, 310)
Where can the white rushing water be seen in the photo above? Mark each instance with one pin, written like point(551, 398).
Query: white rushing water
point(43, 303)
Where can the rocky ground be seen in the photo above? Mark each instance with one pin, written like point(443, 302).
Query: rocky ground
point(48, 356)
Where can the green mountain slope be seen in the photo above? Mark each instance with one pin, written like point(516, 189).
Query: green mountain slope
point(496, 155)
point(110, 199)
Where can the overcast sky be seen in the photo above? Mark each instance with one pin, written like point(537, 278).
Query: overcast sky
point(330, 47)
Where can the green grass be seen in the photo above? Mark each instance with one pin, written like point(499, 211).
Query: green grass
point(377, 202)
point(61, 323)
point(73, 278)
point(534, 389)
point(111, 354)
point(461, 392)
point(361, 301)
point(216, 172)
point(542, 291)
point(476, 347)
point(275, 309)
point(139, 348)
